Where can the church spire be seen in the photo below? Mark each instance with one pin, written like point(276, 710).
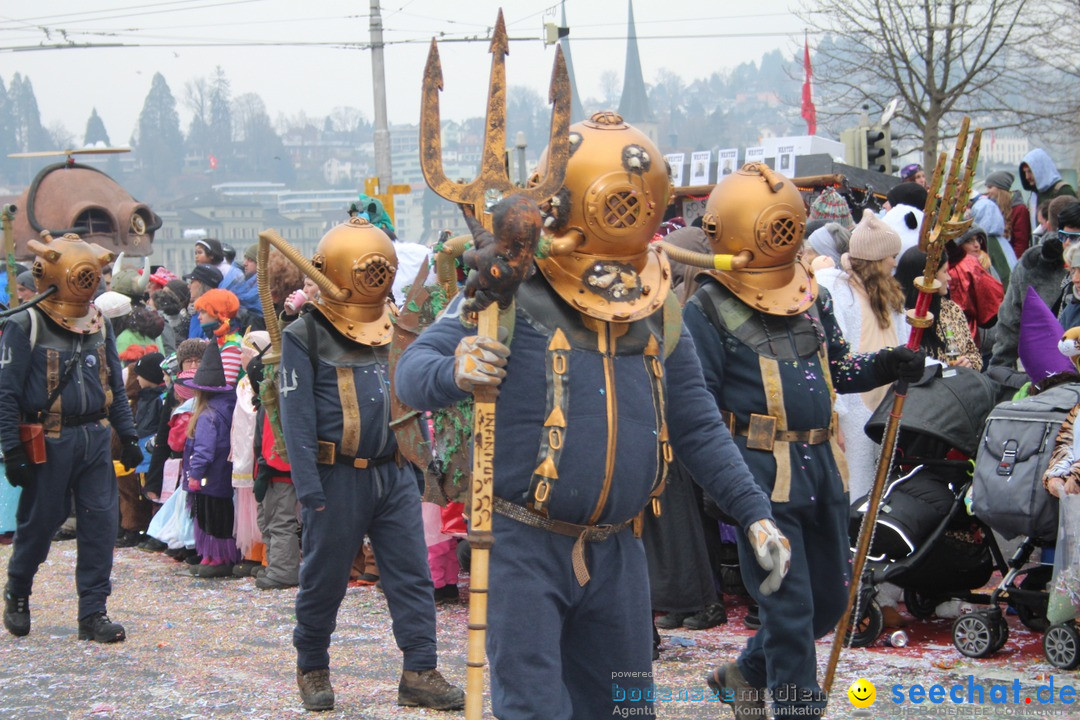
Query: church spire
point(634, 104)
point(577, 112)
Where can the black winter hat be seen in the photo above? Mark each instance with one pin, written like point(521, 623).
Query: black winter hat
point(148, 367)
point(908, 193)
point(208, 275)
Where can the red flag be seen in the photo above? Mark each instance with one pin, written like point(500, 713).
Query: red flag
point(213, 159)
point(809, 112)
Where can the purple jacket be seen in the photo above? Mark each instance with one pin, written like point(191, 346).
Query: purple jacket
point(207, 454)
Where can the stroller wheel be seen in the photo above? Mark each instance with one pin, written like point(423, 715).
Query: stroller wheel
point(974, 636)
point(1061, 645)
point(919, 604)
point(1001, 633)
point(868, 628)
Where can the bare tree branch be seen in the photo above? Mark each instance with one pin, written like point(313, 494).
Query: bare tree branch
point(989, 59)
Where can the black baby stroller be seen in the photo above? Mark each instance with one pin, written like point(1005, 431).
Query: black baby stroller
point(924, 540)
point(1008, 496)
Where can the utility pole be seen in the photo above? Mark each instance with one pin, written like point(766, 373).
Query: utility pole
point(378, 81)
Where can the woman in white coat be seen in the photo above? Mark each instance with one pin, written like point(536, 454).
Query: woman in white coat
point(869, 305)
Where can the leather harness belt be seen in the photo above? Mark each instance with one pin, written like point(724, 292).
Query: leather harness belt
point(74, 420)
point(328, 455)
point(766, 425)
point(583, 533)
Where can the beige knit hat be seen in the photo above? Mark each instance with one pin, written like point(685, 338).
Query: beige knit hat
point(872, 239)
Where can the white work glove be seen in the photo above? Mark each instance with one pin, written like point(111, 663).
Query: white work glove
point(773, 553)
point(295, 301)
point(479, 362)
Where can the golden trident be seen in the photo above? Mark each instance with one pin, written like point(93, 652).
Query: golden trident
point(942, 221)
point(476, 197)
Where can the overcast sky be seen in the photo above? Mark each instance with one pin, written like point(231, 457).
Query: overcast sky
point(691, 38)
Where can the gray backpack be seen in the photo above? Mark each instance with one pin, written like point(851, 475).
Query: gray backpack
point(1007, 491)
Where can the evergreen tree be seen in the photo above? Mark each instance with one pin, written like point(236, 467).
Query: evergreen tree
point(30, 134)
point(7, 132)
point(260, 153)
point(95, 130)
point(159, 142)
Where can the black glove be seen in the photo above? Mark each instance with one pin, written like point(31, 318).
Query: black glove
point(131, 455)
point(1052, 250)
point(899, 363)
point(255, 373)
point(20, 471)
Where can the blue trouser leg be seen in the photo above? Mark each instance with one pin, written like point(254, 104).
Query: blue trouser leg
point(559, 651)
point(97, 513)
point(79, 463)
point(388, 509)
point(397, 537)
point(781, 655)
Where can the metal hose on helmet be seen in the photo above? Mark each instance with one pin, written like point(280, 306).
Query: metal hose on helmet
point(326, 287)
point(707, 261)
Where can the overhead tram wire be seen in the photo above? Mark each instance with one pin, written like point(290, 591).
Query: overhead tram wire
point(206, 5)
point(354, 45)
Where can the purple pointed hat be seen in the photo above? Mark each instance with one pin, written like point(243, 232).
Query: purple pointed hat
point(210, 376)
point(1038, 344)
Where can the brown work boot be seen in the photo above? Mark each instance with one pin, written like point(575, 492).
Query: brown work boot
point(731, 687)
point(316, 692)
point(428, 688)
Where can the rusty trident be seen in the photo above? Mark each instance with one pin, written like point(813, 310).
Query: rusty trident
point(476, 198)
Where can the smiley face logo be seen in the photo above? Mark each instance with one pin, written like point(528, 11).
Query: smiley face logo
point(862, 693)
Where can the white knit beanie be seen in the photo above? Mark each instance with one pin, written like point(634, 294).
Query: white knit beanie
point(872, 239)
point(113, 304)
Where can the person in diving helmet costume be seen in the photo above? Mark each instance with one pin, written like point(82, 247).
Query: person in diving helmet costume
point(772, 356)
point(347, 472)
point(598, 384)
point(61, 381)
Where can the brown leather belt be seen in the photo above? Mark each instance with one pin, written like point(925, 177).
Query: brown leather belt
point(583, 533)
point(762, 429)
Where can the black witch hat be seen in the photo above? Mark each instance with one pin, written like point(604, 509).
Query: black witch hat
point(210, 377)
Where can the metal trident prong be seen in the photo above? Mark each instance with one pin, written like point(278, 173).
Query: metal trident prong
point(493, 182)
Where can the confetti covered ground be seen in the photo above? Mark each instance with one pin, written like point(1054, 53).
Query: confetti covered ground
point(222, 649)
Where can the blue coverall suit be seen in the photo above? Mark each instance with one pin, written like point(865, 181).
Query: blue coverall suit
point(78, 463)
point(814, 518)
point(381, 500)
point(559, 649)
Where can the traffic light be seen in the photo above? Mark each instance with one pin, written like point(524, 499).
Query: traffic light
point(879, 150)
point(854, 140)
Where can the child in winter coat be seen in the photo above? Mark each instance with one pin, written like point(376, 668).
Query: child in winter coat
point(249, 538)
point(149, 407)
point(207, 468)
point(278, 518)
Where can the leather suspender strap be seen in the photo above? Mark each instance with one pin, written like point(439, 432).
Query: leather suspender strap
point(774, 400)
point(546, 473)
point(350, 412)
